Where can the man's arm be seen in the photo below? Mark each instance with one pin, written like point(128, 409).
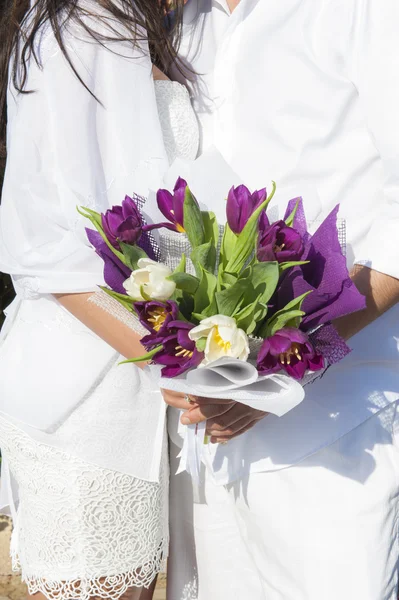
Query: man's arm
point(381, 292)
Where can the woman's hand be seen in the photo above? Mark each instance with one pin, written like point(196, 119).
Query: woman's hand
point(177, 400)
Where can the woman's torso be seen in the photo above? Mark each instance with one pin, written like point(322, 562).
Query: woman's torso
point(50, 363)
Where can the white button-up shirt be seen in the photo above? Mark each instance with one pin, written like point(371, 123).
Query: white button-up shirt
point(307, 93)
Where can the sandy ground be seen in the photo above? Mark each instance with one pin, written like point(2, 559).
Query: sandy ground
point(11, 587)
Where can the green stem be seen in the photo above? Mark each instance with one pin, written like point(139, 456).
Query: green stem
point(143, 358)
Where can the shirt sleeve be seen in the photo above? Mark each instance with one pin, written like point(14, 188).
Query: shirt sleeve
point(375, 73)
point(69, 148)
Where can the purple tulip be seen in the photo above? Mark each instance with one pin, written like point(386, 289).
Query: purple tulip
point(122, 223)
point(172, 207)
point(288, 349)
point(155, 316)
point(115, 272)
point(278, 241)
point(179, 353)
point(241, 204)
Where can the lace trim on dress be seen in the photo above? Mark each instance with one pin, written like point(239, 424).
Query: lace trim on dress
point(111, 587)
point(83, 531)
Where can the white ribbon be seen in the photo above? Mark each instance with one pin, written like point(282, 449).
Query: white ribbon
point(192, 451)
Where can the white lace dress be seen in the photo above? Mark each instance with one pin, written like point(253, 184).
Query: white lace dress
point(84, 526)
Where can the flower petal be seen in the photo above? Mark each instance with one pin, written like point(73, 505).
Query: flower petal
point(165, 204)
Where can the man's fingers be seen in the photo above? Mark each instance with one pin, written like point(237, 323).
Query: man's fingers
point(224, 440)
point(230, 418)
point(201, 400)
point(202, 413)
point(231, 429)
point(227, 419)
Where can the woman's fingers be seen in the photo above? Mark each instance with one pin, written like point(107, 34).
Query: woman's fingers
point(177, 400)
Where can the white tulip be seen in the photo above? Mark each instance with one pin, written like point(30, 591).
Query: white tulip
point(223, 338)
point(151, 276)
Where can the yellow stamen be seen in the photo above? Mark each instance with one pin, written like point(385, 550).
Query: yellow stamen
point(285, 357)
point(297, 353)
point(157, 317)
point(226, 346)
point(183, 352)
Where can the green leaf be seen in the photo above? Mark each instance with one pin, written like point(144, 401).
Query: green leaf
point(295, 304)
point(229, 241)
point(262, 283)
point(123, 299)
point(205, 292)
point(186, 305)
point(245, 318)
point(211, 227)
point(295, 263)
point(212, 308)
point(290, 219)
point(185, 282)
point(90, 214)
point(199, 316)
point(285, 319)
point(264, 278)
point(246, 240)
point(229, 300)
point(181, 267)
point(225, 279)
point(144, 295)
point(204, 257)
point(200, 344)
point(132, 255)
point(290, 316)
point(143, 357)
point(193, 223)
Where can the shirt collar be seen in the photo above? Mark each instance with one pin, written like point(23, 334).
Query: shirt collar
point(222, 4)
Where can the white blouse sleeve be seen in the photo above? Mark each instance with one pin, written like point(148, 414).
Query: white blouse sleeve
point(375, 43)
point(68, 149)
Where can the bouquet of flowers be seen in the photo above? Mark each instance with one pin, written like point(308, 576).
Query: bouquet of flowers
point(246, 312)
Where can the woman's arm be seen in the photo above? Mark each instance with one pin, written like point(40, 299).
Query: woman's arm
point(115, 333)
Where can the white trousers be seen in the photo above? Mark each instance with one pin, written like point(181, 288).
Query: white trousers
point(324, 529)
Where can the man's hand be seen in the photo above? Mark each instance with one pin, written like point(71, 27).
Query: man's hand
point(225, 419)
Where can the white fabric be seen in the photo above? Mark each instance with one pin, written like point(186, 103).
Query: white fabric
point(325, 528)
point(62, 154)
point(81, 530)
point(291, 91)
point(178, 122)
point(59, 382)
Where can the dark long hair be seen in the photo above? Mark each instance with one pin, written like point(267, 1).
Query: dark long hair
point(125, 21)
